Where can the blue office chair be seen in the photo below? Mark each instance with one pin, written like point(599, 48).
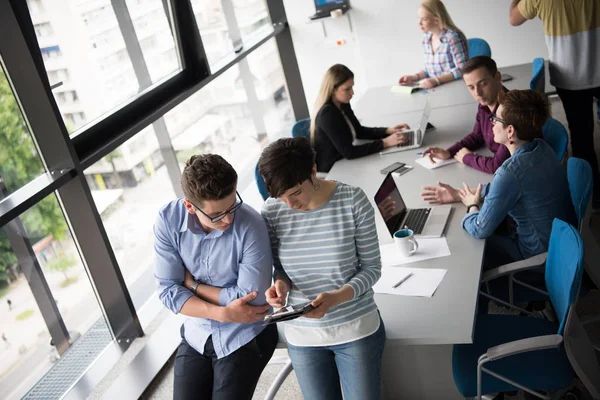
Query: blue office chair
point(538, 76)
point(260, 183)
point(478, 47)
point(556, 136)
point(579, 175)
point(302, 128)
point(511, 352)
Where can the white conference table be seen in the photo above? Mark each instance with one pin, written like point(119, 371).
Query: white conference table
point(417, 362)
point(411, 370)
point(381, 100)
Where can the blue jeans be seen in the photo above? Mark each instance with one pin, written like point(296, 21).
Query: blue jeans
point(356, 364)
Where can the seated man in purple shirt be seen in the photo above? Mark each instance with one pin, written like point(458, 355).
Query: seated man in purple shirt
point(485, 84)
point(223, 247)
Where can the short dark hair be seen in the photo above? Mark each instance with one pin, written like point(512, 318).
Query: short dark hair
point(526, 111)
point(207, 177)
point(480, 62)
point(286, 163)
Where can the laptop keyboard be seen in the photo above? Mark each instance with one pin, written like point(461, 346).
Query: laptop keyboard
point(410, 136)
point(416, 218)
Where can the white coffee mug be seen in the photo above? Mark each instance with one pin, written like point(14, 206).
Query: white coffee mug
point(406, 242)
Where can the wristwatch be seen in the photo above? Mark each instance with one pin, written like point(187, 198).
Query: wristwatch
point(193, 287)
point(468, 211)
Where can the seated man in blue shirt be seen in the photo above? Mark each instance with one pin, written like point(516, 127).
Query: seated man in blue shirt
point(224, 244)
point(530, 186)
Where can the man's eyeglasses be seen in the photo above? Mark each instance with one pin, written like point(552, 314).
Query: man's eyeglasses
point(219, 217)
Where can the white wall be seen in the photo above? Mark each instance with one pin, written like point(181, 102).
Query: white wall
point(383, 40)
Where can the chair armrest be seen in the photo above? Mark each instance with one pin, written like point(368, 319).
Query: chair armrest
point(523, 346)
point(517, 266)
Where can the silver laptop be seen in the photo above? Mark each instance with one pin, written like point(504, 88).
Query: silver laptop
point(424, 222)
point(415, 137)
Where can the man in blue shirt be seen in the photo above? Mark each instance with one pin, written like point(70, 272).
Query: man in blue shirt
point(213, 265)
point(531, 186)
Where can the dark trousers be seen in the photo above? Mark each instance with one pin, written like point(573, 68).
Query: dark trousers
point(579, 108)
point(500, 249)
point(234, 377)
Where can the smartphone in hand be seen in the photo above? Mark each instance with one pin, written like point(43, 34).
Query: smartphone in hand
point(287, 313)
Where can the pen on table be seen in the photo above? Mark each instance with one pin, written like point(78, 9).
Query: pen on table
point(402, 280)
point(421, 153)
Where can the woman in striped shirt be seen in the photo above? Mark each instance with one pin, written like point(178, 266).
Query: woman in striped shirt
point(444, 46)
point(325, 251)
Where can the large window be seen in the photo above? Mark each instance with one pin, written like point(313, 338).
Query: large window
point(253, 17)
point(19, 160)
point(219, 31)
point(104, 55)
point(27, 349)
point(236, 115)
point(76, 217)
point(129, 186)
point(230, 117)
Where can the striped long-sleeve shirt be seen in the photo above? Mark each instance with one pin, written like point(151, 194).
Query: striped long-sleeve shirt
point(324, 249)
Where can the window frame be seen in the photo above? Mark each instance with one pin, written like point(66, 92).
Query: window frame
point(66, 157)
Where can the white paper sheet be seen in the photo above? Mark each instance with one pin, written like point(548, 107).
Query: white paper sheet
point(423, 283)
point(426, 162)
point(428, 248)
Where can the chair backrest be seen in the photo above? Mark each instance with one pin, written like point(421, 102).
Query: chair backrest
point(579, 175)
point(581, 354)
point(260, 182)
point(556, 136)
point(302, 128)
point(538, 76)
point(564, 268)
point(478, 47)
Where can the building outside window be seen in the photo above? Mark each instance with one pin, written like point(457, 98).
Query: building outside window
point(104, 59)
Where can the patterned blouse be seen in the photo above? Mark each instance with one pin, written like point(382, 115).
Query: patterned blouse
point(450, 56)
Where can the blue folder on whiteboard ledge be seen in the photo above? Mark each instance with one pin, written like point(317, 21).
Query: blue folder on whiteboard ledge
point(325, 7)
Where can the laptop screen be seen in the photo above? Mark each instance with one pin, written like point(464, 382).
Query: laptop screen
point(390, 204)
point(425, 117)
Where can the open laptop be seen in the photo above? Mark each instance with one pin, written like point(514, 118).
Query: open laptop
point(424, 222)
point(325, 7)
point(415, 137)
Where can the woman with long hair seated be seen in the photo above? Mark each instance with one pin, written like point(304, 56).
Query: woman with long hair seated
point(444, 47)
point(326, 252)
point(335, 126)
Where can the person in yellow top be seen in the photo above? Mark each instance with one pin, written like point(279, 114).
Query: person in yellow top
point(572, 31)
